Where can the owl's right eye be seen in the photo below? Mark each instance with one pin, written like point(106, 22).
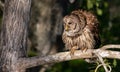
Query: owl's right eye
point(70, 23)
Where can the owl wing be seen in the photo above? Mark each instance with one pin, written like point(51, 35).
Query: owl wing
point(95, 33)
point(92, 24)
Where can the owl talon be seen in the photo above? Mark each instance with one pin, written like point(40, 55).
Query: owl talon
point(72, 51)
point(84, 49)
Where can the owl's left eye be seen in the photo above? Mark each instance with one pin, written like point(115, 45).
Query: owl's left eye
point(70, 23)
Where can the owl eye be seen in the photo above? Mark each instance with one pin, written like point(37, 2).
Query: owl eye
point(70, 23)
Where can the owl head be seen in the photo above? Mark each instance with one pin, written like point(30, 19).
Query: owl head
point(74, 24)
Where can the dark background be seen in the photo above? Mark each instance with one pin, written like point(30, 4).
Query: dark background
point(45, 30)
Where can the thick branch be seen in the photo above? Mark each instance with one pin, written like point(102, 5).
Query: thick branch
point(65, 56)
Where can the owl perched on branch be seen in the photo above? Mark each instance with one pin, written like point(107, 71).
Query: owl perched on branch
point(80, 31)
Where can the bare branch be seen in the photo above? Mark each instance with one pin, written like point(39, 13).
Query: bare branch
point(65, 56)
point(110, 46)
point(59, 57)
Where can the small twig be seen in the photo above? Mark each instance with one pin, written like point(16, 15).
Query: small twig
point(110, 46)
point(110, 69)
point(102, 63)
point(101, 60)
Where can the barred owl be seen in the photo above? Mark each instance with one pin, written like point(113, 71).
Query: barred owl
point(80, 31)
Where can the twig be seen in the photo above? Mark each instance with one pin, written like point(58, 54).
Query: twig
point(101, 60)
point(102, 64)
point(110, 69)
point(110, 46)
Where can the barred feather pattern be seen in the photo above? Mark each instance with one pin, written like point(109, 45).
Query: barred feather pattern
point(89, 36)
point(85, 40)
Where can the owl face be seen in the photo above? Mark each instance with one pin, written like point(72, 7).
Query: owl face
point(72, 25)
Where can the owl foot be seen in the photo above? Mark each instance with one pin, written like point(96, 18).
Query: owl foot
point(84, 49)
point(72, 50)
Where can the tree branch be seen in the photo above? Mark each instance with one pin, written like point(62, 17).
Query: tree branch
point(110, 46)
point(65, 56)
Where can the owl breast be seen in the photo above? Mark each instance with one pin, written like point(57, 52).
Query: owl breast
point(84, 40)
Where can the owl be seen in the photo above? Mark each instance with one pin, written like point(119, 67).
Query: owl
point(80, 31)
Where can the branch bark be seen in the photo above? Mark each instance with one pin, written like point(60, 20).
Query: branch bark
point(65, 56)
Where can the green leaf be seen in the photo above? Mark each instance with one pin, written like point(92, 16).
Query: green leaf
point(89, 4)
point(106, 4)
point(97, 4)
point(114, 63)
point(99, 11)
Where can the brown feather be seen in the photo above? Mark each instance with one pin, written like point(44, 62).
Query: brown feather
point(87, 37)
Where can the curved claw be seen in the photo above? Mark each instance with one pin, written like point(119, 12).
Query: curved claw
point(72, 50)
point(84, 49)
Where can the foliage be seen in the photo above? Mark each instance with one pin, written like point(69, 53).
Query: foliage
point(72, 66)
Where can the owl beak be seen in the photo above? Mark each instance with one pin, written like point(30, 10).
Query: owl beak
point(66, 28)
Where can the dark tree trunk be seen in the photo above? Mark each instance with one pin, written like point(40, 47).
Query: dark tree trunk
point(46, 24)
point(14, 34)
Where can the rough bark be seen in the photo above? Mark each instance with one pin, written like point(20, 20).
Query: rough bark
point(14, 34)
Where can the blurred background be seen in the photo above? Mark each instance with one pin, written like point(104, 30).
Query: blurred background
point(45, 30)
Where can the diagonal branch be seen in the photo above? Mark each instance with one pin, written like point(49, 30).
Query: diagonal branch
point(65, 56)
